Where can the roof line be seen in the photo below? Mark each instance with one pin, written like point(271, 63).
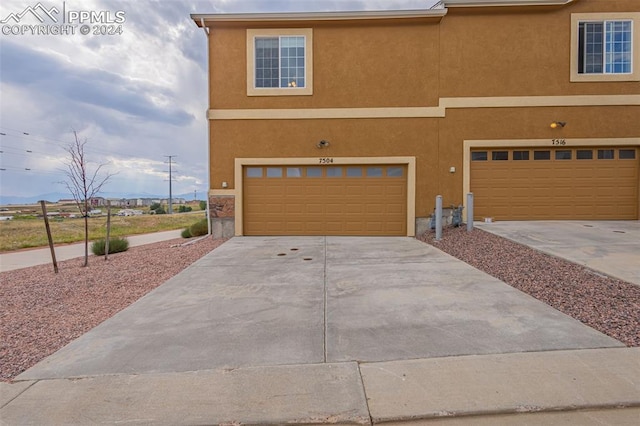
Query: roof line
point(494, 3)
point(318, 16)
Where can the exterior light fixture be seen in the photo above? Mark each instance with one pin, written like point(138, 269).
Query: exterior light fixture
point(322, 144)
point(557, 124)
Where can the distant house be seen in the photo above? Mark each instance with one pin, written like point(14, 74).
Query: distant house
point(129, 212)
point(97, 202)
point(118, 202)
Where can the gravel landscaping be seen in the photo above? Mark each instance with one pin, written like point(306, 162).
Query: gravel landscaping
point(40, 312)
point(606, 304)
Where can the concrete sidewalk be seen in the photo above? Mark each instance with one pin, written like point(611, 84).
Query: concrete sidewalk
point(332, 330)
point(580, 387)
point(40, 256)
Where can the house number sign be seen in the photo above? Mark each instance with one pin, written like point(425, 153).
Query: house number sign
point(326, 160)
point(560, 142)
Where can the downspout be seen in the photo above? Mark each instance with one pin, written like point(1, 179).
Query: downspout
point(208, 212)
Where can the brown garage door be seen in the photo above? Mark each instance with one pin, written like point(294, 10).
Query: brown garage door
point(559, 183)
point(325, 200)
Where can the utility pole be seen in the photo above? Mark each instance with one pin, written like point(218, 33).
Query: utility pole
point(170, 157)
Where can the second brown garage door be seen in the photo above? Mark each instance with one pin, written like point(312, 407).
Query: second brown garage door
point(560, 183)
point(325, 200)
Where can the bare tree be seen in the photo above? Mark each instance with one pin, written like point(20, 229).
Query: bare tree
point(82, 183)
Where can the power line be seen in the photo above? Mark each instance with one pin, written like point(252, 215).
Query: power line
point(62, 145)
point(55, 148)
point(29, 154)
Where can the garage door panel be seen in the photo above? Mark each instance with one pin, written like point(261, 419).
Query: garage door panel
point(395, 190)
point(395, 210)
point(583, 193)
point(355, 209)
point(561, 171)
point(520, 183)
point(273, 224)
point(291, 209)
point(295, 191)
point(556, 189)
point(627, 173)
point(394, 228)
point(273, 208)
point(314, 191)
point(353, 190)
point(626, 194)
point(354, 226)
point(335, 227)
point(314, 208)
point(334, 208)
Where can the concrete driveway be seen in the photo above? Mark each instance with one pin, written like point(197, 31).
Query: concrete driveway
point(277, 301)
point(610, 247)
point(326, 329)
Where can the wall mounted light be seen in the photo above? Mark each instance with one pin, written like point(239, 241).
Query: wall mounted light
point(225, 185)
point(452, 169)
point(322, 144)
point(557, 124)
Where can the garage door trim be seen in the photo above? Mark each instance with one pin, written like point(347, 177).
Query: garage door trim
point(409, 162)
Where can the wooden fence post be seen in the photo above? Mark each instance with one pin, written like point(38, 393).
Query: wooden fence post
point(106, 242)
point(46, 224)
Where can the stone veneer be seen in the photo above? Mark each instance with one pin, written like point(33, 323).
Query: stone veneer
point(222, 215)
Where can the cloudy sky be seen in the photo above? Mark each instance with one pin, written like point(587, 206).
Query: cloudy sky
point(136, 97)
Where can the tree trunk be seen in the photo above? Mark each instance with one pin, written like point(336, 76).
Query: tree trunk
point(86, 233)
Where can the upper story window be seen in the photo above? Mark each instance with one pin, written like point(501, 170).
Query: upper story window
point(279, 62)
point(604, 47)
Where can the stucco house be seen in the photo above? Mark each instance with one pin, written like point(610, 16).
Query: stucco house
point(351, 123)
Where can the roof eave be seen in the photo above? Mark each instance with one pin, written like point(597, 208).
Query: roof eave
point(201, 19)
point(504, 3)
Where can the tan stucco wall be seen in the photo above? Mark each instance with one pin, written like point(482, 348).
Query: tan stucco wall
point(364, 65)
point(518, 52)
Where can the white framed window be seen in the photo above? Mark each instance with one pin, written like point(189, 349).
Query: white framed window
point(605, 47)
point(279, 62)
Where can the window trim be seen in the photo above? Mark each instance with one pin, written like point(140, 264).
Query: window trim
point(252, 34)
point(577, 18)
